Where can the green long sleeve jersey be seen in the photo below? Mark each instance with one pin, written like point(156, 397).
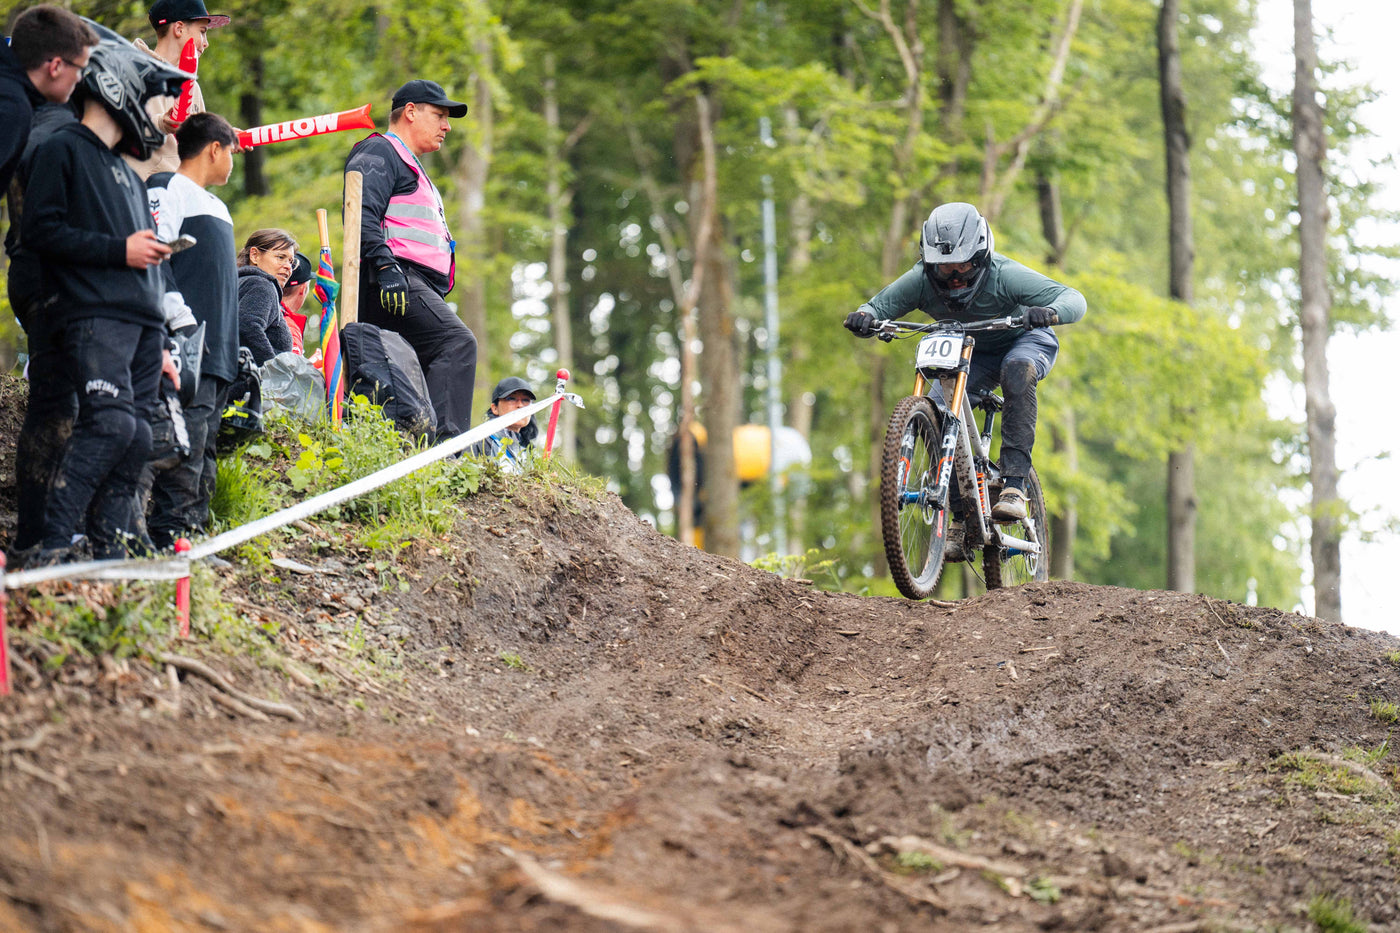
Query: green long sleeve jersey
point(1009, 288)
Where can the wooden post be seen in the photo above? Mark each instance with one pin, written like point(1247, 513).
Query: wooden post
point(349, 306)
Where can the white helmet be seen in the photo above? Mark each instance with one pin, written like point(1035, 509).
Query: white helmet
point(955, 234)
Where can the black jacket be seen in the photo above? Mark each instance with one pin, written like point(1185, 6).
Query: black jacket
point(18, 98)
point(385, 175)
point(26, 280)
point(78, 212)
point(261, 327)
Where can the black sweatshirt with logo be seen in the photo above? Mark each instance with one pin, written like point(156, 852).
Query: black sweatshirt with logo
point(78, 212)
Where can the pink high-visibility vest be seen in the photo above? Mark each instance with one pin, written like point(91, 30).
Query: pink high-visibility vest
point(415, 224)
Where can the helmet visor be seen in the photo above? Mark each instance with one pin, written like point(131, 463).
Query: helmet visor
point(954, 274)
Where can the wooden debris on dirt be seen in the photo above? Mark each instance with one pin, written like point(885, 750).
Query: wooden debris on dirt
point(191, 666)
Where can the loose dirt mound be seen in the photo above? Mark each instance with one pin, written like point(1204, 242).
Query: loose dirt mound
point(591, 727)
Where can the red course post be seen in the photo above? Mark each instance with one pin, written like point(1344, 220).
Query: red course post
point(182, 591)
point(562, 376)
point(4, 635)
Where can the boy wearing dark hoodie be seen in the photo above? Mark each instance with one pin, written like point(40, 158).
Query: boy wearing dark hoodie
point(87, 220)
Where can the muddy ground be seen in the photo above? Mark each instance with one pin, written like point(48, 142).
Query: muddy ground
point(567, 721)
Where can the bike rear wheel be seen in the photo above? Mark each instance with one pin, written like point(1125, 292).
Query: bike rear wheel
point(915, 533)
point(1012, 567)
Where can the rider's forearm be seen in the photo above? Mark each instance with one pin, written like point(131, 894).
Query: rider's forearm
point(898, 298)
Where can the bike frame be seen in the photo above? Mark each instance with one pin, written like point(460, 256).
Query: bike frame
point(963, 452)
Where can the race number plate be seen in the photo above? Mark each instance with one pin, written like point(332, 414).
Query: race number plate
point(939, 351)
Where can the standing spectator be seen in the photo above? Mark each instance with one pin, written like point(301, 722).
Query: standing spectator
point(47, 56)
point(87, 220)
point(175, 22)
point(511, 444)
point(204, 278)
point(53, 400)
point(293, 297)
point(407, 253)
point(265, 263)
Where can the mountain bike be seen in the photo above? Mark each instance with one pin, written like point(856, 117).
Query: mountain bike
point(937, 479)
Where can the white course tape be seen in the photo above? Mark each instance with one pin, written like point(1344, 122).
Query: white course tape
point(174, 569)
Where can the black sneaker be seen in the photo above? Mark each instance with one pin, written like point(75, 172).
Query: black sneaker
point(955, 544)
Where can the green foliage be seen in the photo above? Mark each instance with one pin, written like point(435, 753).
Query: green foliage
point(1393, 657)
point(913, 862)
point(1334, 914)
point(513, 661)
point(1384, 710)
point(136, 615)
point(808, 565)
point(1043, 891)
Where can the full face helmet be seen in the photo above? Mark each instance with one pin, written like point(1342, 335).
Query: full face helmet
point(956, 248)
point(123, 78)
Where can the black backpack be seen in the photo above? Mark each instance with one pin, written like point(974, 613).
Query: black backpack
point(382, 366)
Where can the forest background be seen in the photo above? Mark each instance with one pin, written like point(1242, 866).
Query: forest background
point(606, 192)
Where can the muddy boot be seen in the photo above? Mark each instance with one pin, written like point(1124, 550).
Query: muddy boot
point(955, 546)
point(1011, 505)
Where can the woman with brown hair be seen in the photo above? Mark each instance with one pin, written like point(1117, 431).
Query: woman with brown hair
point(265, 263)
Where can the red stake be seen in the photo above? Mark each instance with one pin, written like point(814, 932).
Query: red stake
point(4, 636)
point(182, 591)
point(562, 376)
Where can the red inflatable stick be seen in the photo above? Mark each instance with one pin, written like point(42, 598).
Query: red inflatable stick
point(357, 119)
point(189, 61)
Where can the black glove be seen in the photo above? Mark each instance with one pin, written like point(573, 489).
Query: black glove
point(860, 323)
point(1042, 317)
point(393, 290)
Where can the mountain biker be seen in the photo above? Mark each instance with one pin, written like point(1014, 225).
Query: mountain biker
point(959, 277)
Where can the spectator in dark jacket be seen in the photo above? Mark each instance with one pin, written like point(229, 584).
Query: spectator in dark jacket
point(511, 444)
point(47, 55)
point(265, 263)
point(87, 220)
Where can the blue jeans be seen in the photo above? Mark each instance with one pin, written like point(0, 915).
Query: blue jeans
point(115, 368)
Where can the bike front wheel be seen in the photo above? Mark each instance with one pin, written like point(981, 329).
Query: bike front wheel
point(1012, 566)
point(915, 532)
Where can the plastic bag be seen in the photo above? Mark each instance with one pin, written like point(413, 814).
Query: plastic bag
point(290, 381)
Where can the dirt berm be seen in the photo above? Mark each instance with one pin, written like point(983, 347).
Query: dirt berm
point(566, 721)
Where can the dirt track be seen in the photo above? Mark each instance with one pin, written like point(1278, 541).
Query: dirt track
point(595, 728)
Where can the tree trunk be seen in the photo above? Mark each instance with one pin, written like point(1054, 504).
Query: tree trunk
point(250, 112)
point(473, 168)
point(719, 372)
point(1181, 463)
point(1064, 437)
point(1310, 145)
point(558, 256)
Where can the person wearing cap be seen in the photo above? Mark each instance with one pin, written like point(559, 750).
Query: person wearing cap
point(511, 444)
point(201, 281)
point(407, 256)
point(175, 22)
point(293, 297)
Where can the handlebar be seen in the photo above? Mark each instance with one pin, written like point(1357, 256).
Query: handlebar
point(889, 330)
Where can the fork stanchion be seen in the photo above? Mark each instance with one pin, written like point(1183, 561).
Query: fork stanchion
point(182, 591)
point(562, 377)
point(4, 634)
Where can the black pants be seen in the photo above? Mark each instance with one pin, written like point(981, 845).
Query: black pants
point(445, 346)
point(48, 421)
point(116, 370)
point(1017, 369)
point(180, 496)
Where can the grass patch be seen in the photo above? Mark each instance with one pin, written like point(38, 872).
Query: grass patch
point(1334, 914)
point(1315, 771)
point(1384, 710)
point(915, 863)
point(513, 661)
point(1393, 657)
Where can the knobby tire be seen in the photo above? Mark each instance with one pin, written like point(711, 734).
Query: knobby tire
point(1004, 569)
point(915, 536)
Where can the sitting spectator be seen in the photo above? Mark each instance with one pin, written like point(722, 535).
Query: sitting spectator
point(293, 297)
point(511, 444)
point(265, 263)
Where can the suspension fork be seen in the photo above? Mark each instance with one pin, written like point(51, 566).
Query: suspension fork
point(953, 430)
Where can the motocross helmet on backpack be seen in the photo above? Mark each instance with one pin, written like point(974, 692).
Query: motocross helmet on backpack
point(123, 78)
point(953, 234)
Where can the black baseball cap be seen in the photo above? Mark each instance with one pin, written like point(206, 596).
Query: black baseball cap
point(420, 91)
point(509, 386)
point(183, 11)
point(301, 272)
